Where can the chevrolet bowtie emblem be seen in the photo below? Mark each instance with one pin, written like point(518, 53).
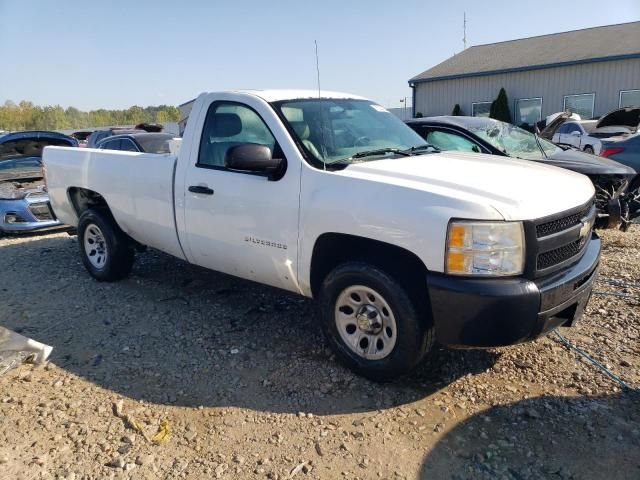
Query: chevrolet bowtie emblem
point(584, 229)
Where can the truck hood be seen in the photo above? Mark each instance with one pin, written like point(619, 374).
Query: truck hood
point(517, 189)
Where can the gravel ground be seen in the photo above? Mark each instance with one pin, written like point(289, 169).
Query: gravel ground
point(241, 376)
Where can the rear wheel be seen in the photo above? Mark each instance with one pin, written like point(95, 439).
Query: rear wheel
point(588, 149)
point(106, 251)
point(372, 323)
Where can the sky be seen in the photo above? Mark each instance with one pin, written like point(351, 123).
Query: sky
point(114, 54)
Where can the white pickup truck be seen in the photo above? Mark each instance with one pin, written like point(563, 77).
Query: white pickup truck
point(334, 198)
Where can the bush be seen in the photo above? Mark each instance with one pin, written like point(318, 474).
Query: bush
point(500, 107)
point(457, 111)
point(419, 115)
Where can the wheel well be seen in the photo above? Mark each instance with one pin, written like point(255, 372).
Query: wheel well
point(82, 199)
point(332, 249)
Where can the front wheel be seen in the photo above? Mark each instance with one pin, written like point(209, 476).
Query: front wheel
point(106, 251)
point(372, 323)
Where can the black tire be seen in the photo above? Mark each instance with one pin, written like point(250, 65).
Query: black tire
point(415, 334)
point(120, 254)
point(588, 149)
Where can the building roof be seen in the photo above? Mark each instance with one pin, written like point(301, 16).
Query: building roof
point(611, 42)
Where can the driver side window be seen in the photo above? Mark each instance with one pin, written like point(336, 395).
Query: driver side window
point(228, 125)
point(451, 141)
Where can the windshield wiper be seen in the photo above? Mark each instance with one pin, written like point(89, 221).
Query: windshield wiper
point(535, 135)
point(426, 146)
point(379, 151)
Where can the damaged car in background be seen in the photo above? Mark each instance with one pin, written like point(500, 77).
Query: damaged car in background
point(24, 203)
point(616, 205)
point(593, 136)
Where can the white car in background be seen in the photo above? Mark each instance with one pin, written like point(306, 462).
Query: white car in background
point(578, 134)
point(587, 135)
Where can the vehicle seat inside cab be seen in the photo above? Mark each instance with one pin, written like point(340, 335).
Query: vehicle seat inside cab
point(303, 132)
point(216, 139)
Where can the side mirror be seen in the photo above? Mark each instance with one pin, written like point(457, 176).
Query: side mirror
point(576, 133)
point(252, 157)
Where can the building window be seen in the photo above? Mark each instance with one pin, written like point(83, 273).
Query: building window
point(480, 109)
point(629, 98)
point(528, 111)
point(581, 104)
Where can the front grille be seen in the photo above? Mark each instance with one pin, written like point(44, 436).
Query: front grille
point(559, 255)
point(560, 224)
point(560, 239)
point(41, 211)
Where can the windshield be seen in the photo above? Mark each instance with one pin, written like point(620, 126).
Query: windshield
point(514, 141)
point(337, 130)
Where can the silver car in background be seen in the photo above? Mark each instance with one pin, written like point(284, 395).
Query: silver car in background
point(24, 202)
point(590, 135)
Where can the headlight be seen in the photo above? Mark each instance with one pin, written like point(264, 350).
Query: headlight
point(484, 248)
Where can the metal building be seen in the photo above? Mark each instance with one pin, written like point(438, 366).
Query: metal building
point(590, 72)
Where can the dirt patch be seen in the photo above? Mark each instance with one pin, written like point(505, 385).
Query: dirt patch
point(239, 375)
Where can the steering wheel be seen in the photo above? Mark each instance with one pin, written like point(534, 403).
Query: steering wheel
point(361, 141)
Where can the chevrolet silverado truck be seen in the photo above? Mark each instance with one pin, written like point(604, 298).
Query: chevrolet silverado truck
point(332, 197)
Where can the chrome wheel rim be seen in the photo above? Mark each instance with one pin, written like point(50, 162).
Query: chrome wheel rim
point(95, 246)
point(365, 322)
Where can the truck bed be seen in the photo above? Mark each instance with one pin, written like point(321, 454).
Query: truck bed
point(138, 188)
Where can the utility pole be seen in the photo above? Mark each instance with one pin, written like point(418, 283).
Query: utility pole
point(464, 30)
point(404, 112)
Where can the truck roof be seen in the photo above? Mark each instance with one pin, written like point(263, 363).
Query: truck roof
point(277, 95)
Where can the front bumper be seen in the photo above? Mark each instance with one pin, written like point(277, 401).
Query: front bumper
point(481, 313)
point(27, 215)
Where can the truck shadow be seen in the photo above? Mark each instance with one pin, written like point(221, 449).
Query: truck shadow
point(545, 437)
point(176, 334)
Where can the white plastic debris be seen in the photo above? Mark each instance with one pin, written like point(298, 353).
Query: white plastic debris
point(16, 349)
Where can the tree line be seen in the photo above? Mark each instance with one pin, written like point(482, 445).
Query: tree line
point(27, 116)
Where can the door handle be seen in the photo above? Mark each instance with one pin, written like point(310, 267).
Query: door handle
point(201, 190)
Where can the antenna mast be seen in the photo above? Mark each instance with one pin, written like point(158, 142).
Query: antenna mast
point(464, 30)
point(324, 150)
point(317, 67)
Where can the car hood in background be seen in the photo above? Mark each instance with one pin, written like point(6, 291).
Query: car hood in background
point(22, 174)
point(30, 144)
point(548, 131)
point(588, 164)
point(512, 187)
point(627, 117)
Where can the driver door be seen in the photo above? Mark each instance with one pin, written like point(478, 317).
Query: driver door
point(240, 223)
